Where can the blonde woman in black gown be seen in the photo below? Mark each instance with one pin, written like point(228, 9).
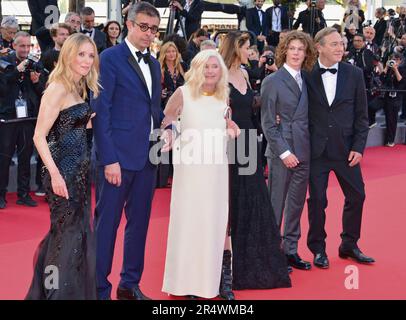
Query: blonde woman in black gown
point(65, 259)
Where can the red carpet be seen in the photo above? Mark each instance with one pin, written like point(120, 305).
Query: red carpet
point(384, 221)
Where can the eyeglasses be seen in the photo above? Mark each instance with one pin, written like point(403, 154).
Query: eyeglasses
point(144, 27)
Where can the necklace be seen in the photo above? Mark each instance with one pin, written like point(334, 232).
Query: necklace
point(207, 94)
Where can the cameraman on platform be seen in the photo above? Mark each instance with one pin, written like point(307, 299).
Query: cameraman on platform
point(312, 18)
point(21, 86)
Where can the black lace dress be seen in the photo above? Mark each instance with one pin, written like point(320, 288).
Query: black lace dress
point(64, 266)
point(258, 261)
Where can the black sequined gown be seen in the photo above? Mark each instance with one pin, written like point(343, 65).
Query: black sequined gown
point(258, 261)
point(64, 266)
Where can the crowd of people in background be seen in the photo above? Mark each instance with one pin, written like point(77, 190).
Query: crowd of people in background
point(181, 73)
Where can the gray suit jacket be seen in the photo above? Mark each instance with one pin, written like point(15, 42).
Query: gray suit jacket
point(280, 94)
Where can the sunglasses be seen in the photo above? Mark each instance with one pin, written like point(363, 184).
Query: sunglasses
point(144, 27)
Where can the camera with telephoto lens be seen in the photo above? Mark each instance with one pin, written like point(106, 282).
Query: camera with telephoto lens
point(391, 63)
point(33, 64)
point(270, 59)
point(6, 66)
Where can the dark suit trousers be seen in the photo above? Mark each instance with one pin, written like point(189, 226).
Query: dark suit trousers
point(16, 135)
point(352, 185)
point(287, 188)
point(135, 196)
point(391, 107)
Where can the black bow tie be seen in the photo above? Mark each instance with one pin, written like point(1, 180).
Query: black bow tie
point(89, 32)
point(145, 56)
point(332, 70)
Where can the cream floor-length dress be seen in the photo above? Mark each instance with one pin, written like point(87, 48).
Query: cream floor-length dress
point(199, 201)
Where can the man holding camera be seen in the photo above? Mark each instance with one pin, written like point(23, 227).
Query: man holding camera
point(393, 78)
point(365, 59)
point(311, 19)
point(21, 86)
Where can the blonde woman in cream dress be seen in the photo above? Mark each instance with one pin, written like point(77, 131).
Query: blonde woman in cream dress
point(199, 201)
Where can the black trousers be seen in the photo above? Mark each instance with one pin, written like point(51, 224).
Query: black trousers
point(352, 185)
point(391, 107)
point(16, 136)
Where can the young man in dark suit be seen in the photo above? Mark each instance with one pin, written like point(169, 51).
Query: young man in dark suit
point(278, 20)
point(338, 124)
point(257, 23)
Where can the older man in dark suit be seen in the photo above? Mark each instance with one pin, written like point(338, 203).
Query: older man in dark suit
point(87, 16)
point(338, 124)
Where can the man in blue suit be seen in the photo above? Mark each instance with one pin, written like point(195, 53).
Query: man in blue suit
point(257, 23)
point(127, 111)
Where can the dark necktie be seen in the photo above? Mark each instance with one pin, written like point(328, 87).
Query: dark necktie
point(145, 56)
point(332, 70)
point(87, 32)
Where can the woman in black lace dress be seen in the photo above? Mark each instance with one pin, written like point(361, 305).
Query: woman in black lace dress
point(65, 259)
point(258, 262)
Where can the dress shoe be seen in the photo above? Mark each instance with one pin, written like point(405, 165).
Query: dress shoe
point(321, 260)
point(2, 203)
point(356, 255)
point(134, 294)
point(295, 261)
point(26, 201)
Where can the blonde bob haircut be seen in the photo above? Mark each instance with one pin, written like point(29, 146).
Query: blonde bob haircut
point(63, 72)
point(195, 76)
point(162, 57)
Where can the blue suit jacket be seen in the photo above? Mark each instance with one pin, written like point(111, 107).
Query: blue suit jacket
point(124, 108)
point(253, 23)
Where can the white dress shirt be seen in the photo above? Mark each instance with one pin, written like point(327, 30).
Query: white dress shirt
point(145, 71)
point(276, 19)
point(329, 82)
point(260, 15)
point(294, 74)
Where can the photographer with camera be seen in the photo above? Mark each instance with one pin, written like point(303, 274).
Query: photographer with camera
point(393, 78)
point(9, 27)
point(21, 87)
point(311, 19)
point(401, 48)
point(365, 59)
point(399, 24)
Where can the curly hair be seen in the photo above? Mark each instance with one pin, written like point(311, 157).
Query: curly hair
point(282, 48)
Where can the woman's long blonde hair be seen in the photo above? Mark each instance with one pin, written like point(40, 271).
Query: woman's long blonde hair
point(195, 76)
point(63, 72)
point(162, 57)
